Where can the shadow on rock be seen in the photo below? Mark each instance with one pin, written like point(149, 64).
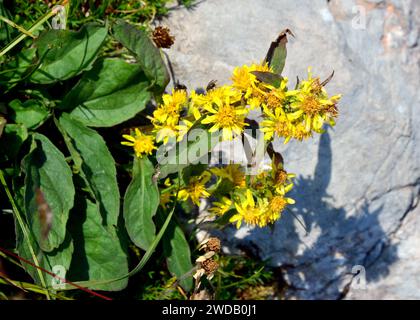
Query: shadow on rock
point(323, 250)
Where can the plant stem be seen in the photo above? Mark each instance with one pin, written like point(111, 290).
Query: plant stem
point(16, 26)
point(5, 256)
point(37, 24)
point(25, 286)
point(25, 232)
point(244, 280)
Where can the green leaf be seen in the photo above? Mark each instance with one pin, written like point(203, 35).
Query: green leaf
point(57, 261)
point(112, 92)
point(99, 253)
point(31, 113)
point(97, 165)
point(193, 149)
point(141, 201)
point(268, 77)
point(276, 55)
point(14, 135)
point(65, 54)
point(16, 69)
point(147, 54)
point(47, 170)
point(177, 253)
point(146, 257)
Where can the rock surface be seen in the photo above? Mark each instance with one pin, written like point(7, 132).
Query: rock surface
point(358, 185)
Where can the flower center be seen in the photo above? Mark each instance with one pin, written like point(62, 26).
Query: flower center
point(251, 215)
point(277, 204)
point(311, 105)
point(282, 128)
point(273, 100)
point(144, 144)
point(226, 116)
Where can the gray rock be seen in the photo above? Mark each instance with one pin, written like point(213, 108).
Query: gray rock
point(358, 185)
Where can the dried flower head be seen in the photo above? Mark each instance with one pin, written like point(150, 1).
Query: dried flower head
point(162, 37)
point(209, 266)
point(213, 244)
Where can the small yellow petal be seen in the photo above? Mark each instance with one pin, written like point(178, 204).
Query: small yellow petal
point(128, 137)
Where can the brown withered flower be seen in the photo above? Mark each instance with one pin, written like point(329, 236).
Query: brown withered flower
point(162, 37)
point(209, 266)
point(213, 244)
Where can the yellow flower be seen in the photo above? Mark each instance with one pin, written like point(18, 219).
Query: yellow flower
point(196, 189)
point(165, 198)
point(248, 211)
point(300, 132)
point(218, 93)
point(255, 101)
point(244, 80)
point(312, 106)
point(261, 213)
point(220, 208)
point(282, 181)
point(162, 114)
point(276, 123)
point(275, 181)
point(275, 207)
point(232, 172)
point(142, 144)
point(166, 117)
point(165, 131)
point(225, 116)
point(275, 97)
point(194, 108)
point(178, 97)
point(172, 105)
point(253, 90)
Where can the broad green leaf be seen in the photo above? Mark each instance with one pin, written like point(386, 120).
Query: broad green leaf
point(30, 113)
point(57, 261)
point(177, 253)
point(47, 170)
point(18, 66)
point(65, 54)
point(193, 149)
point(276, 55)
point(146, 257)
point(141, 201)
point(14, 135)
point(147, 54)
point(99, 254)
point(97, 165)
point(112, 92)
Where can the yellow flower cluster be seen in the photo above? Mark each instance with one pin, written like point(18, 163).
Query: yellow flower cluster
point(286, 113)
point(254, 200)
point(259, 200)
